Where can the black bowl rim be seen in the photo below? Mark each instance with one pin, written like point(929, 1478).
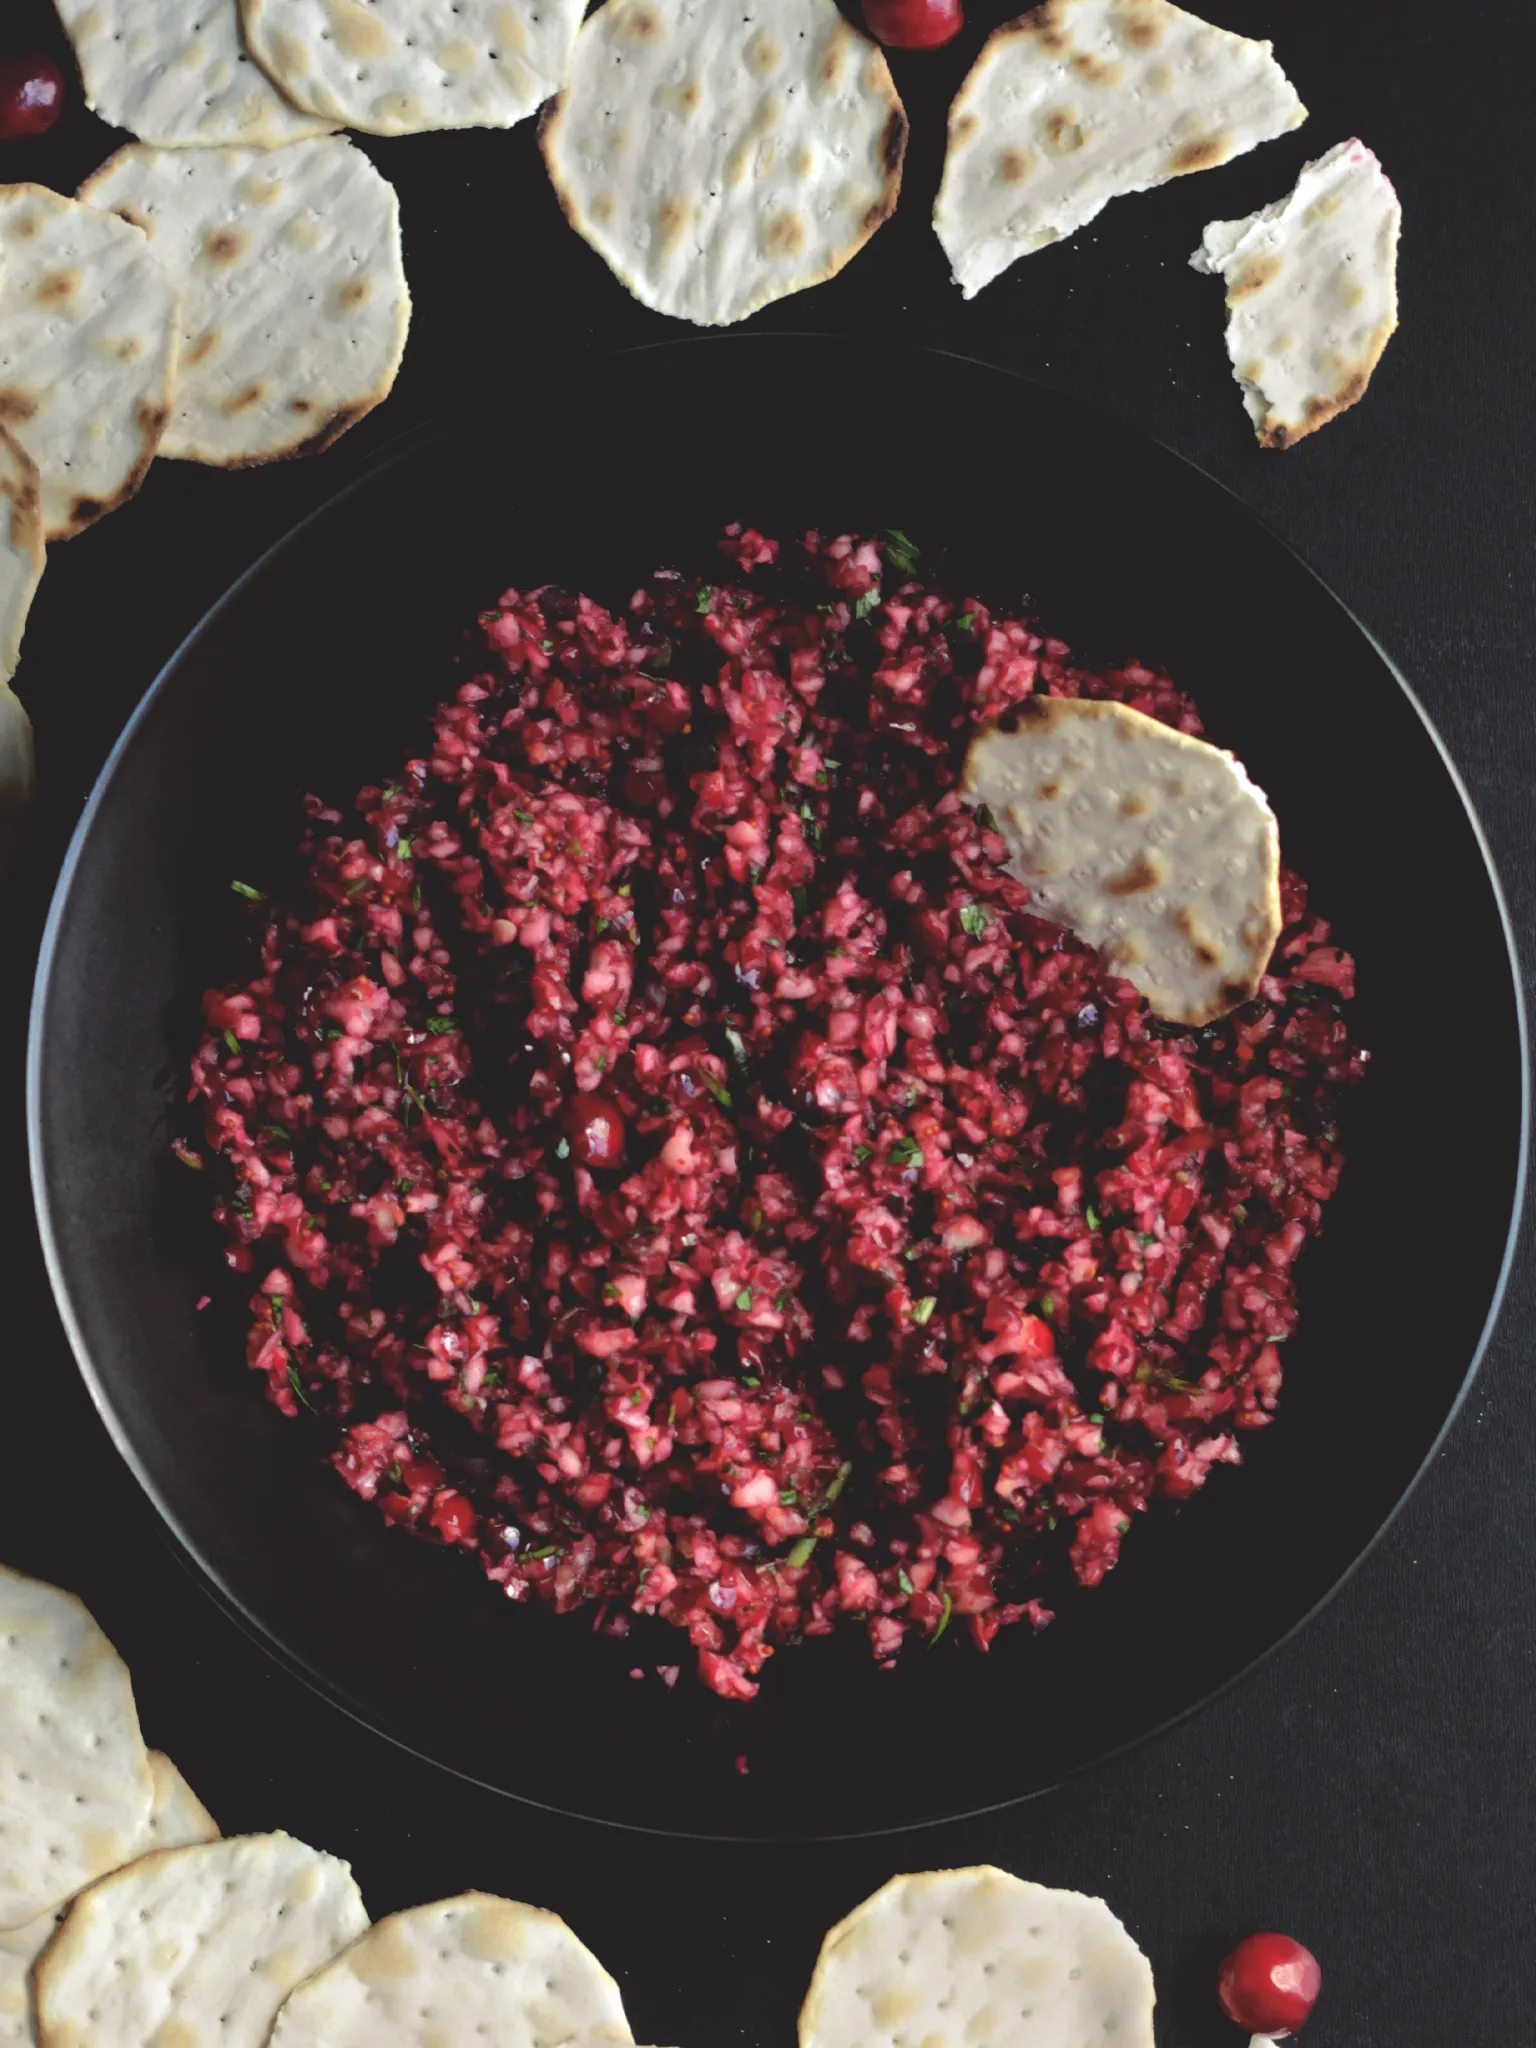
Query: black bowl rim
point(401, 449)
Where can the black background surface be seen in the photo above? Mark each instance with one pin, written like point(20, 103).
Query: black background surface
point(1371, 1790)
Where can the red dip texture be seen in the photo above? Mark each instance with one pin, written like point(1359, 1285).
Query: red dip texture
point(681, 1173)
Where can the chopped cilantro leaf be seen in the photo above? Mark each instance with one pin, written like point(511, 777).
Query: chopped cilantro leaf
point(602, 926)
point(563, 1149)
point(923, 1310)
point(403, 848)
point(718, 1089)
point(706, 592)
point(906, 1152)
point(276, 1131)
point(757, 1219)
point(231, 1041)
point(787, 1497)
point(748, 1381)
point(438, 1025)
point(395, 1475)
point(949, 1608)
point(901, 553)
point(866, 604)
point(744, 1299)
point(244, 889)
point(1091, 1217)
point(298, 1387)
point(974, 920)
point(861, 1153)
point(904, 1582)
point(1047, 1304)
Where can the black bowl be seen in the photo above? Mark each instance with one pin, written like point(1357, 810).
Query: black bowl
point(317, 671)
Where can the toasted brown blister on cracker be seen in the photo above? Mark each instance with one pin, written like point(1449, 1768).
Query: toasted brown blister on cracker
point(1082, 101)
point(1149, 844)
point(1311, 292)
point(721, 154)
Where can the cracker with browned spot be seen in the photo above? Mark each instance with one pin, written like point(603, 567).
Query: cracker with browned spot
point(87, 351)
point(720, 154)
point(176, 73)
point(21, 546)
point(473, 1968)
point(177, 1818)
point(75, 1784)
point(196, 1947)
point(978, 1959)
point(1084, 100)
point(1149, 844)
point(395, 67)
point(1311, 291)
point(294, 302)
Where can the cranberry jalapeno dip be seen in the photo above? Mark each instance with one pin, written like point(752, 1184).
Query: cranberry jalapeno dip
point(679, 1170)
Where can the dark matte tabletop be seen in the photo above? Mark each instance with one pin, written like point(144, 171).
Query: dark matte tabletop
point(1372, 1789)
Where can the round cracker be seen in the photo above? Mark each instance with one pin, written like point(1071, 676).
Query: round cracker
point(176, 72)
point(951, 1957)
point(1148, 843)
point(294, 304)
point(398, 67)
point(87, 351)
point(75, 1784)
point(470, 1968)
point(1082, 101)
point(194, 1945)
point(721, 154)
point(177, 1817)
point(21, 546)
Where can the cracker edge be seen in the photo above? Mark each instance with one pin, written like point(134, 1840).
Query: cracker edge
point(1040, 711)
point(898, 128)
point(27, 515)
point(313, 441)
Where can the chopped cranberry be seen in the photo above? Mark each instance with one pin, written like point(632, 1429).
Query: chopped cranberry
point(642, 787)
point(914, 24)
point(1269, 1984)
point(31, 95)
point(595, 1126)
point(453, 1517)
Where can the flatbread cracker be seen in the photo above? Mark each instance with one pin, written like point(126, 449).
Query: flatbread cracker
point(75, 1784)
point(1312, 291)
point(17, 770)
point(177, 1818)
point(951, 1958)
point(1147, 843)
point(474, 1968)
point(87, 351)
point(397, 67)
point(1084, 100)
point(191, 1947)
point(294, 304)
point(720, 154)
point(21, 546)
point(176, 73)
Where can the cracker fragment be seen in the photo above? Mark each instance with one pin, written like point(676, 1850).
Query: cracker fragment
point(75, 1783)
point(87, 351)
point(472, 1968)
point(17, 769)
point(978, 1959)
point(194, 1948)
point(176, 72)
point(294, 306)
point(1148, 843)
point(177, 1817)
point(397, 67)
point(21, 546)
point(1312, 292)
point(721, 154)
point(1082, 101)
